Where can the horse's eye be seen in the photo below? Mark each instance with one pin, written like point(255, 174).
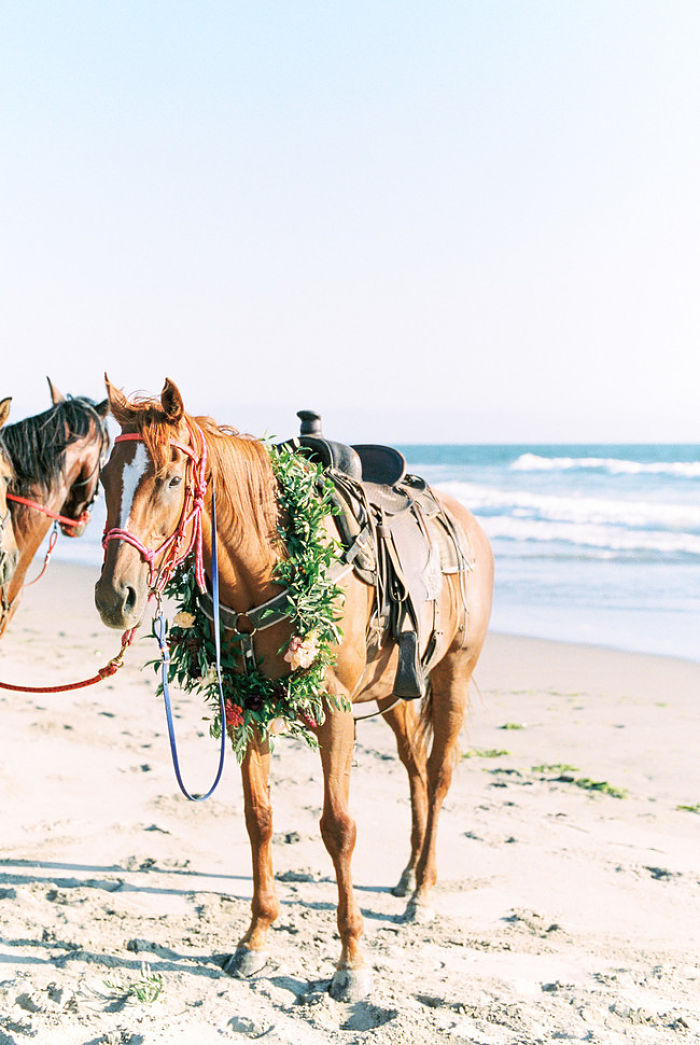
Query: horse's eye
point(175, 481)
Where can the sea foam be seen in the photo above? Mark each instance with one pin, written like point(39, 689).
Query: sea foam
point(530, 462)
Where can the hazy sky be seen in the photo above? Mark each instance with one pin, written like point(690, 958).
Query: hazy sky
point(438, 221)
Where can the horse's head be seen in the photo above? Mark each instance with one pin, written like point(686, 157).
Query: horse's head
point(147, 482)
point(87, 442)
point(56, 457)
point(9, 553)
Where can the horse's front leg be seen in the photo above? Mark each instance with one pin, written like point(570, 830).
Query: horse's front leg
point(352, 979)
point(251, 953)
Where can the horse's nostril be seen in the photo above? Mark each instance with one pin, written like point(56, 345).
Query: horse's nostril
point(130, 600)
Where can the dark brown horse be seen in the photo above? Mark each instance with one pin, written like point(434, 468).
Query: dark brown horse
point(145, 483)
point(56, 458)
point(8, 547)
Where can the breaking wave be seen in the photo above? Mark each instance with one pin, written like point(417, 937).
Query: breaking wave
point(530, 462)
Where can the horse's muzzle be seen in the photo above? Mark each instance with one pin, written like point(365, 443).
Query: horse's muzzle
point(119, 605)
point(8, 565)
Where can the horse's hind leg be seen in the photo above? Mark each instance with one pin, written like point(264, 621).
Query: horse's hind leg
point(251, 953)
point(410, 745)
point(450, 685)
point(352, 979)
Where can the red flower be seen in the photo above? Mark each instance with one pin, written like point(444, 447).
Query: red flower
point(234, 715)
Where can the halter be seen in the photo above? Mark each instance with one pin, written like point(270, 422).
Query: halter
point(172, 546)
point(65, 520)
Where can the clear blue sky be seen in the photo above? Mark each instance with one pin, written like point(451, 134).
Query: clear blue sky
point(487, 210)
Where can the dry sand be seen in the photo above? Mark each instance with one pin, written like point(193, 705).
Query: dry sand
point(563, 913)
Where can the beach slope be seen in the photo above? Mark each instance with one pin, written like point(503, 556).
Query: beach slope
point(569, 858)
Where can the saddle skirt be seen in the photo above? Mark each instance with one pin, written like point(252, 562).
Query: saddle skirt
point(399, 539)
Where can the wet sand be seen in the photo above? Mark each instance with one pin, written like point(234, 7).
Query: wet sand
point(567, 907)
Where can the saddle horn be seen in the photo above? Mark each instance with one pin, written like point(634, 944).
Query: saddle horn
point(310, 422)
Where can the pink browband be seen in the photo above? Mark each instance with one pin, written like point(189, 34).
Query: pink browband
point(172, 546)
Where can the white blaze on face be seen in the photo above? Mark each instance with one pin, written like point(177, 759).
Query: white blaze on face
point(132, 473)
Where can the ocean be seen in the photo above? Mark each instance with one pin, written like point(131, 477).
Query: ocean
point(593, 543)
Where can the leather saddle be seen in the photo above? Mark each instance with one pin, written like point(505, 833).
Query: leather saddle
point(398, 538)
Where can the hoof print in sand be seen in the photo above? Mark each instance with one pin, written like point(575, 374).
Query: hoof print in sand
point(366, 1017)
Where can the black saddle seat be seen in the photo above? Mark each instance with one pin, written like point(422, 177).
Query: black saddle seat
point(364, 462)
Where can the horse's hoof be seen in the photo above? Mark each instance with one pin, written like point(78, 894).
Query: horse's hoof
point(406, 883)
point(418, 913)
point(245, 962)
point(350, 985)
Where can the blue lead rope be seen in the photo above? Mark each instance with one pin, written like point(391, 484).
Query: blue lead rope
point(159, 632)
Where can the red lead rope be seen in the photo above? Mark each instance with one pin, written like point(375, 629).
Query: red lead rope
point(47, 558)
point(110, 668)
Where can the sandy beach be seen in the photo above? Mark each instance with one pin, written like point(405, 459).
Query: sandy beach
point(567, 906)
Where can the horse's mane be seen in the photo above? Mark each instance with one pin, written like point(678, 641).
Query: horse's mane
point(36, 446)
point(246, 490)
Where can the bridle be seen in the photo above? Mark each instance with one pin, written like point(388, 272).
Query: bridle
point(191, 515)
point(173, 554)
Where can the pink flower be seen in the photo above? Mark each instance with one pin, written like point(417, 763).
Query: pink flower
point(301, 653)
point(183, 619)
point(234, 715)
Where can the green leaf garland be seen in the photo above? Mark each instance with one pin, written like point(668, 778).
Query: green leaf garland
point(253, 701)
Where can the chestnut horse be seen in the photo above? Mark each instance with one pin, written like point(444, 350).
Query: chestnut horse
point(145, 483)
point(56, 458)
point(8, 547)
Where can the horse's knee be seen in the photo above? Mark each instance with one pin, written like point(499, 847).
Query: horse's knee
point(440, 776)
point(338, 832)
point(258, 821)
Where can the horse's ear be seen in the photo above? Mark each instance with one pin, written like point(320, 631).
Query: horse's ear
point(102, 408)
point(116, 400)
point(56, 396)
point(5, 410)
point(172, 401)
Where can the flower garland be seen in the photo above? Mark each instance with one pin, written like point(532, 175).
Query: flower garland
point(253, 701)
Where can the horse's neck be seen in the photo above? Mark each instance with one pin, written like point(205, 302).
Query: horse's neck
point(244, 575)
point(32, 530)
point(246, 556)
point(245, 570)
